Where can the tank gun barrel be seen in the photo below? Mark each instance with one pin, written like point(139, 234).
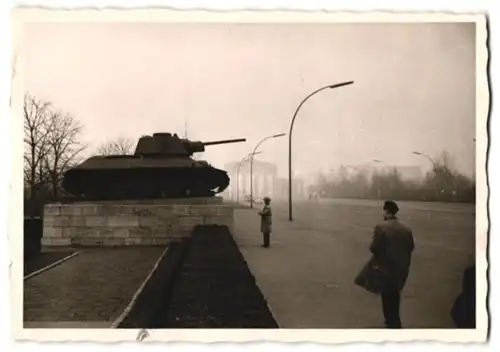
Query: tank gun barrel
point(198, 147)
point(226, 141)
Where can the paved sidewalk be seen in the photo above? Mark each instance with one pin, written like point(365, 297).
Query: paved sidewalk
point(89, 290)
point(307, 274)
point(304, 276)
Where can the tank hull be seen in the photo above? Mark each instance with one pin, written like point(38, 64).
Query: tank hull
point(144, 179)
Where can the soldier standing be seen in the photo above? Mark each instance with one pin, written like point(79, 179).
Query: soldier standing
point(266, 221)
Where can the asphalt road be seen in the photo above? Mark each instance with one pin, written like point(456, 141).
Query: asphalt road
point(307, 274)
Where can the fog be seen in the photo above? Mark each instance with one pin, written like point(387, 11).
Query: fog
point(414, 87)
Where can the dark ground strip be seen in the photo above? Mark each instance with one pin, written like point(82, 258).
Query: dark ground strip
point(214, 288)
point(44, 259)
point(149, 309)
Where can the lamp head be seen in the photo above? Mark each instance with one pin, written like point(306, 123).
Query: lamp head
point(341, 84)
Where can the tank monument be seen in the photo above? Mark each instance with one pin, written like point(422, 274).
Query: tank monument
point(153, 215)
point(153, 197)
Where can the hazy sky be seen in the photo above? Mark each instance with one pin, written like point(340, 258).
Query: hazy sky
point(414, 87)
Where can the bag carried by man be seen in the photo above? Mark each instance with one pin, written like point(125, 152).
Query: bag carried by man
point(372, 277)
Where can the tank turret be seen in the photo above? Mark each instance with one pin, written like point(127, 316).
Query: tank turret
point(171, 145)
point(161, 167)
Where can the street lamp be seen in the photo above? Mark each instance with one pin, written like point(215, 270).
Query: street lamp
point(380, 162)
point(434, 165)
point(251, 163)
point(290, 139)
point(379, 192)
point(426, 156)
point(238, 174)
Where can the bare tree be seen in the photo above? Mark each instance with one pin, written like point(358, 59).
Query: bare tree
point(36, 131)
point(51, 147)
point(446, 161)
point(119, 146)
point(63, 147)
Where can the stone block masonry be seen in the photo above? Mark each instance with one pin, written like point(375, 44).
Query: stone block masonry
point(154, 223)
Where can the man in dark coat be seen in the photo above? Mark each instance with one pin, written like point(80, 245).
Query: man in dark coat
point(266, 221)
point(464, 308)
point(392, 248)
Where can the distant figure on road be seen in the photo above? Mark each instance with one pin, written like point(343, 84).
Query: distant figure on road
point(266, 221)
point(392, 248)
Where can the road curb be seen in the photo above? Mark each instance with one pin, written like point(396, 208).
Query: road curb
point(132, 302)
point(50, 266)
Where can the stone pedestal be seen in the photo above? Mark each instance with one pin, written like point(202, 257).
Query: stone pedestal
point(123, 223)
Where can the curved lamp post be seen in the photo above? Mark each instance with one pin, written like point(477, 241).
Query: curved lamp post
point(379, 192)
point(238, 175)
point(251, 162)
point(433, 163)
point(379, 162)
point(290, 139)
point(426, 156)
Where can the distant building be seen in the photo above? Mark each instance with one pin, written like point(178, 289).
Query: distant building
point(264, 176)
point(265, 181)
